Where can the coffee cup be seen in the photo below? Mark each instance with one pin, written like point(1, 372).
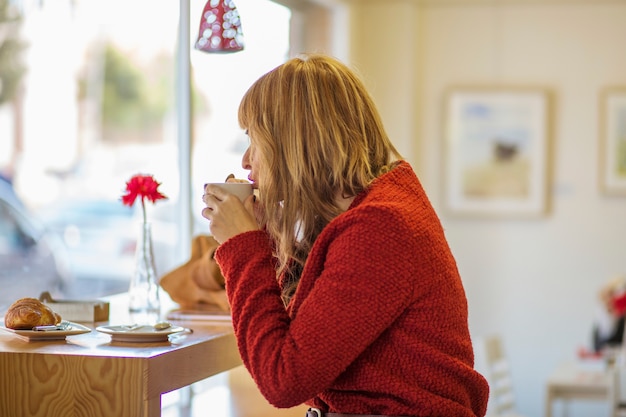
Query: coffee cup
point(240, 189)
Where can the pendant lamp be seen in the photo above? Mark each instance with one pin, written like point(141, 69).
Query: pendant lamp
point(220, 28)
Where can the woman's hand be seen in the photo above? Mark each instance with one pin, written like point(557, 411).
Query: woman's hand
point(227, 214)
point(231, 178)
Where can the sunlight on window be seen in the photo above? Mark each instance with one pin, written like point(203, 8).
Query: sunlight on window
point(97, 105)
point(219, 142)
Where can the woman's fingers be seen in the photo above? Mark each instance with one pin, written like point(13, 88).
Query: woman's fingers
point(231, 178)
point(228, 216)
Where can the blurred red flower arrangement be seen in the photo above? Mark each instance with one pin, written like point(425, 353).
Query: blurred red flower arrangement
point(619, 304)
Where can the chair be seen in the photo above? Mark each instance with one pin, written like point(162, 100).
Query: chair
point(492, 362)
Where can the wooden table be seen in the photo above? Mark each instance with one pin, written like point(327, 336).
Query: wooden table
point(88, 375)
point(571, 381)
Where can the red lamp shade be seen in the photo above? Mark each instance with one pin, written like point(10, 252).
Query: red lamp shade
point(220, 28)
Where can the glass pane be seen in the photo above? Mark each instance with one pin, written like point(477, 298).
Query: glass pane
point(96, 105)
point(221, 80)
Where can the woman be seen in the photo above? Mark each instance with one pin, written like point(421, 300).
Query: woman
point(343, 290)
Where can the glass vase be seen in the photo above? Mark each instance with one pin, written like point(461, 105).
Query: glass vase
point(144, 303)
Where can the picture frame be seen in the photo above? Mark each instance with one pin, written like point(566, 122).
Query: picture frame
point(496, 151)
point(613, 141)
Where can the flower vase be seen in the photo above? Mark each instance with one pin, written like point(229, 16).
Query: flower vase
point(144, 304)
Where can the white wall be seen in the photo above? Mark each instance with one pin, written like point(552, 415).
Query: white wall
point(533, 281)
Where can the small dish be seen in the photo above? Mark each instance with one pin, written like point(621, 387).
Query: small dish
point(140, 334)
point(37, 335)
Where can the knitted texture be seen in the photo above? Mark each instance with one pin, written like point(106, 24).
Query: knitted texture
point(378, 324)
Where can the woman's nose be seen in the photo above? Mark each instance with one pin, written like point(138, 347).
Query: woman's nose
point(245, 160)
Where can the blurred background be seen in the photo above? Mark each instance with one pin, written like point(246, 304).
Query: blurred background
point(88, 99)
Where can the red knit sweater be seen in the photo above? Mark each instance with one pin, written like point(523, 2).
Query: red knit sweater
point(378, 324)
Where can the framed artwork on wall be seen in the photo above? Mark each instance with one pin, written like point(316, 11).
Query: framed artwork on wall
point(613, 141)
point(496, 151)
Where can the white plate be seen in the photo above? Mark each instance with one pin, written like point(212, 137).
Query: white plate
point(32, 335)
point(145, 333)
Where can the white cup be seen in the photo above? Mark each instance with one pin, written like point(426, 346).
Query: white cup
point(241, 189)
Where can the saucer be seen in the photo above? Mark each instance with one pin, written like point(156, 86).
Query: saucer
point(140, 334)
point(38, 335)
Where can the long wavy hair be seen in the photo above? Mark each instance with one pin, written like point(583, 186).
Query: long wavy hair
point(318, 136)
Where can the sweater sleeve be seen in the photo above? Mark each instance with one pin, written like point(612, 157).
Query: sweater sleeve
point(355, 284)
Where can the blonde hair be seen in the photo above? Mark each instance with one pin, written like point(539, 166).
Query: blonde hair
point(318, 134)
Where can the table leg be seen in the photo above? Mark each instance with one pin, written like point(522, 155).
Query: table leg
point(186, 398)
point(548, 405)
point(152, 407)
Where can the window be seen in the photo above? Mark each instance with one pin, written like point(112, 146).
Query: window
point(97, 104)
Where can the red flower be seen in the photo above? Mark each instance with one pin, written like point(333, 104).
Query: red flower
point(619, 304)
point(144, 186)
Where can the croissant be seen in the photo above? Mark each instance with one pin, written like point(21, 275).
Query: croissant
point(26, 313)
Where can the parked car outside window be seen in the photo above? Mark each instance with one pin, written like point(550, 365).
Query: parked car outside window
point(32, 259)
point(101, 238)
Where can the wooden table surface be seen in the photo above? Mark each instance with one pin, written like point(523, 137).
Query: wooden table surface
point(88, 375)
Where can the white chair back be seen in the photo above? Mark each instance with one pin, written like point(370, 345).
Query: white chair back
point(492, 362)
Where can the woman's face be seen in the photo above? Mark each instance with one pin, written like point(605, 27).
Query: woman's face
point(250, 161)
